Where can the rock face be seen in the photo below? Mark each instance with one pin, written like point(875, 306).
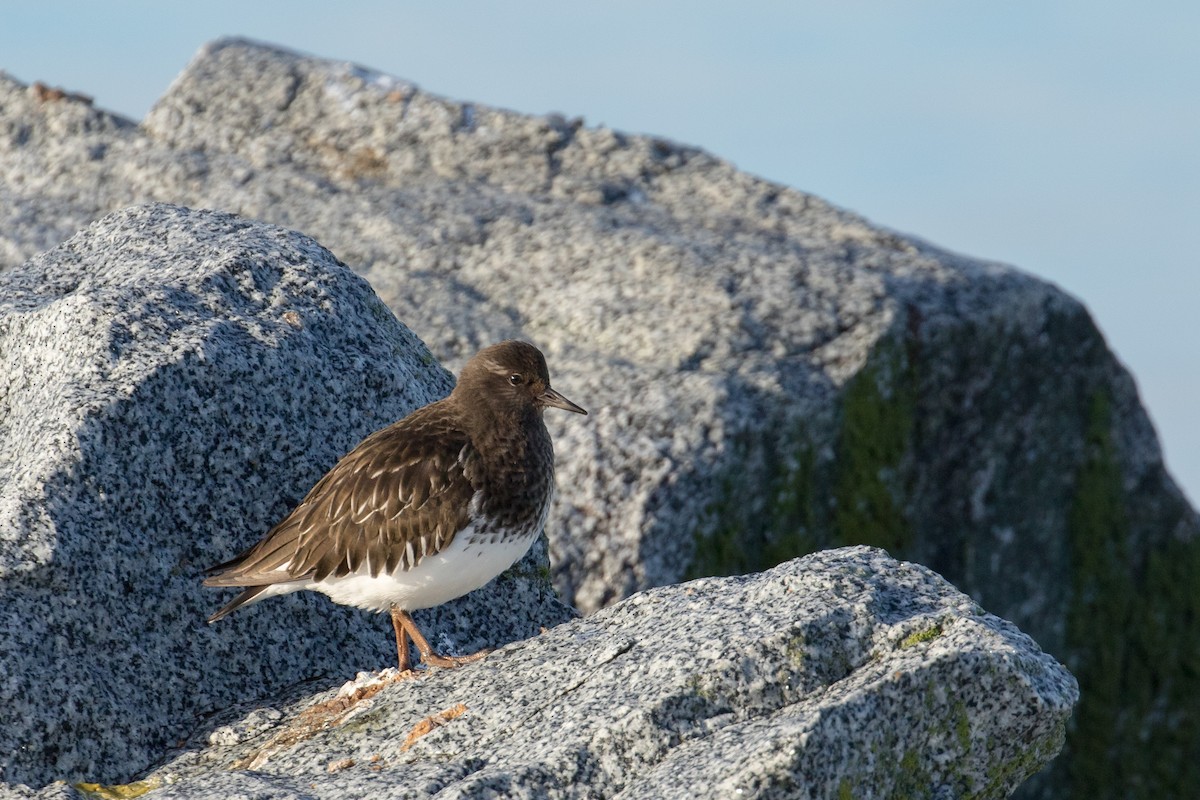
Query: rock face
point(171, 384)
point(842, 674)
point(768, 374)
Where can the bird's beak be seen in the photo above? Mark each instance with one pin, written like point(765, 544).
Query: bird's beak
point(553, 398)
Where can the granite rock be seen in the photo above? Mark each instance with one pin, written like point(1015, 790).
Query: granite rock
point(171, 383)
point(841, 674)
point(768, 374)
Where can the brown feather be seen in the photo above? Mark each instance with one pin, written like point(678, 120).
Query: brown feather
point(413, 466)
point(481, 457)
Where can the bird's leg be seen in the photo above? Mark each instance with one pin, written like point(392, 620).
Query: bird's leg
point(403, 619)
point(402, 657)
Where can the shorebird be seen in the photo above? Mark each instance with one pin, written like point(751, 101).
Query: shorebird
point(423, 511)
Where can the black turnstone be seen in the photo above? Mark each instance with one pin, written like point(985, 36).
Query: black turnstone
point(425, 510)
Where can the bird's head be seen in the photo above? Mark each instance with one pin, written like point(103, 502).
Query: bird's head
point(511, 377)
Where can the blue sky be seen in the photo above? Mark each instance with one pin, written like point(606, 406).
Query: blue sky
point(1062, 138)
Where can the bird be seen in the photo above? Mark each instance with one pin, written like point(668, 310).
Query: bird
point(423, 511)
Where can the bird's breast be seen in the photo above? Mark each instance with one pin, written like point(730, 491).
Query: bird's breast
point(474, 557)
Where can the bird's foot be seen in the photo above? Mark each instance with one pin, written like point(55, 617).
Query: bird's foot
point(433, 659)
point(406, 629)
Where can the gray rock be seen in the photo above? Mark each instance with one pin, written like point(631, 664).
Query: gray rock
point(171, 383)
point(845, 673)
point(59, 790)
point(767, 374)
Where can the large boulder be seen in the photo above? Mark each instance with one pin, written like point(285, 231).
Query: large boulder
point(842, 674)
point(768, 374)
point(171, 383)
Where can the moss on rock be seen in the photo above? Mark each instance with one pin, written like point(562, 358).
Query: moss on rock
point(917, 637)
point(875, 435)
point(763, 513)
point(773, 502)
point(1133, 630)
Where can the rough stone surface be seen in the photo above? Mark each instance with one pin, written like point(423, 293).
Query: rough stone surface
point(767, 374)
point(841, 674)
point(171, 383)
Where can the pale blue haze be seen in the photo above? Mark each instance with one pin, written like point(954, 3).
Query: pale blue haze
point(1063, 138)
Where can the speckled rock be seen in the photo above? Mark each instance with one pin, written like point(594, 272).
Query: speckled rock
point(767, 374)
point(842, 674)
point(171, 383)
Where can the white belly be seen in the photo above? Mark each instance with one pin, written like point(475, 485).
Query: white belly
point(464, 566)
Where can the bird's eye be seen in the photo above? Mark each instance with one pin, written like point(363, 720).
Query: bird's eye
point(515, 379)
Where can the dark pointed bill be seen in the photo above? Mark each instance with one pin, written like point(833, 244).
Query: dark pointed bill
point(552, 398)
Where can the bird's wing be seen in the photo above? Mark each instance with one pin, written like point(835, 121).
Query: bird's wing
point(399, 496)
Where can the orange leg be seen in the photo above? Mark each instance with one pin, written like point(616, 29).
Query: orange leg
point(402, 657)
point(405, 628)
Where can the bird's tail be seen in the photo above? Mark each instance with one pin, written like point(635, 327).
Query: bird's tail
point(248, 596)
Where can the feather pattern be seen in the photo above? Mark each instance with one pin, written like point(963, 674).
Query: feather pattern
point(399, 496)
point(403, 519)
